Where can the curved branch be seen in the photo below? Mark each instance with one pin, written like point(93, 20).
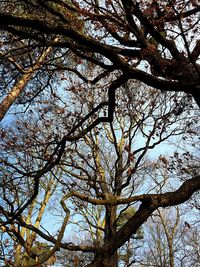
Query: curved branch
point(148, 206)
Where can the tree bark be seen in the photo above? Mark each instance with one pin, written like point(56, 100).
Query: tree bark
point(17, 89)
point(110, 231)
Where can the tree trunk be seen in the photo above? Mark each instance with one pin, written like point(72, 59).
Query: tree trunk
point(111, 260)
point(171, 253)
point(20, 85)
point(105, 260)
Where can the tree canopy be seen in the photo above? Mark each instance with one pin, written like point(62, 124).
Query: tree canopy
point(90, 87)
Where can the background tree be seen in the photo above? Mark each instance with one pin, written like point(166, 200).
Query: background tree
point(167, 238)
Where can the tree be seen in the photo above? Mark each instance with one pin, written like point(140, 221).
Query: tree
point(122, 41)
point(22, 82)
point(20, 246)
point(87, 168)
point(163, 231)
point(91, 172)
point(167, 238)
point(147, 29)
point(28, 67)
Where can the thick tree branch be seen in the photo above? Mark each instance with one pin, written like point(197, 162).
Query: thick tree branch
point(148, 206)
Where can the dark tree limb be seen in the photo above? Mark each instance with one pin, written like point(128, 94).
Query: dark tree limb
point(148, 206)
